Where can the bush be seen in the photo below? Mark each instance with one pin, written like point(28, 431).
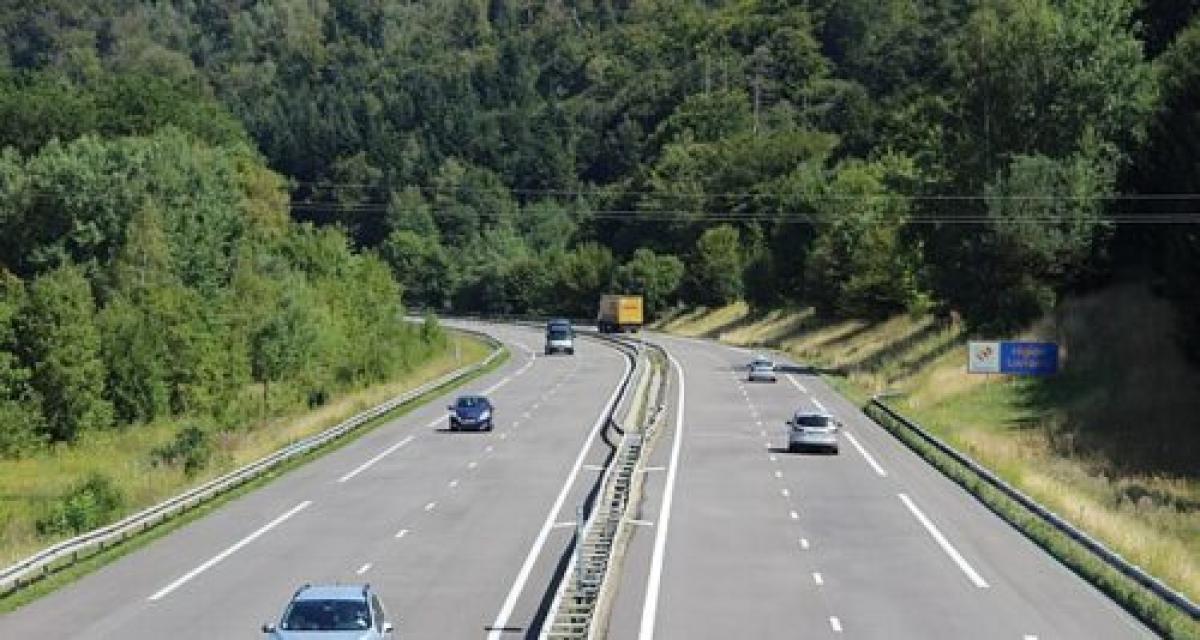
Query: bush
point(86, 506)
point(192, 448)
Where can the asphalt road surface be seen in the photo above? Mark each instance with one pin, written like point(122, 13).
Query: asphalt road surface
point(457, 531)
point(744, 540)
point(463, 533)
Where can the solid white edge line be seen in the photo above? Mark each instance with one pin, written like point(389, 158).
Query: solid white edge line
point(510, 601)
point(944, 543)
point(835, 624)
point(367, 465)
point(161, 593)
point(866, 456)
point(654, 581)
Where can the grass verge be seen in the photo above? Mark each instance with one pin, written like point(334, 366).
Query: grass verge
point(65, 575)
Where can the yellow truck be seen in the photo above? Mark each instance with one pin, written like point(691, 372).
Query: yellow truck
point(619, 313)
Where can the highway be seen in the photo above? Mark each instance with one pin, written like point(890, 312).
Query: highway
point(744, 540)
point(463, 533)
point(457, 531)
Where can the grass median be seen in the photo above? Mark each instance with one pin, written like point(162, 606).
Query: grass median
point(104, 455)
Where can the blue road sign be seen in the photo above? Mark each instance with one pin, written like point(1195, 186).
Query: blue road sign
point(1029, 358)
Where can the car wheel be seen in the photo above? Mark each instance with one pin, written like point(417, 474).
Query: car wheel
point(489, 425)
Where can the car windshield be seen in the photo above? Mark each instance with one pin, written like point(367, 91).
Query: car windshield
point(559, 333)
point(813, 421)
point(469, 402)
point(327, 615)
point(762, 365)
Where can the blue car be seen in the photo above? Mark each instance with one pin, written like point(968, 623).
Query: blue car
point(471, 412)
point(332, 612)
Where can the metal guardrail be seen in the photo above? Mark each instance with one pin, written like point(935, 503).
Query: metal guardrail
point(577, 604)
point(70, 551)
point(1110, 557)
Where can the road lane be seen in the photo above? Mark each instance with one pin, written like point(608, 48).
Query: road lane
point(443, 570)
point(752, 527)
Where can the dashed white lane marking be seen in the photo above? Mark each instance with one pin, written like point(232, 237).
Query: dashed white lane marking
point(504, 436)
point(401, 533)
point(772, 458)
point(430, 506)
point(488, 449)
point(796, 383)
point(794, 515)
point(564, 525)
point(819, 406)
point(536, 406)
point(454, 483)
point(363, 569)
point(526, 415)
point(944, 543)
point(779, 474)
point(785, 493)
point(640, 523)
point(593, 467)
point(818, 579)
point(1029, 637)
point(654, 581)
point(803, 543)
point(367, 465)
point(649, 469)
point(472, 464)
point(496, 630)
point(763, 433)
point(162, 593)
point(867, 456)
point(492, 389)
point(835, 624)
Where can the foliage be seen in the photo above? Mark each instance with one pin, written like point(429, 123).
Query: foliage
point(192, 448)
point(85, 506)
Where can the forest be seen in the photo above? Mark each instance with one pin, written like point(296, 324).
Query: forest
point(179, 176)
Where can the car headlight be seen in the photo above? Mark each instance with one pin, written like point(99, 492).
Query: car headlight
point(485, 415)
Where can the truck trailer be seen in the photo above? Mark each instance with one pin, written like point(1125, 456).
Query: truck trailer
point(619, 313)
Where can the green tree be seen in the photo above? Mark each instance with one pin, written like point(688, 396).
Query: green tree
point(60, 344)
point(656, 277)
point(715, 271)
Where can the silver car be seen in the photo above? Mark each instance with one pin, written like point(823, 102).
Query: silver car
point(811, 430)
point(332, 612)
point(761, 371)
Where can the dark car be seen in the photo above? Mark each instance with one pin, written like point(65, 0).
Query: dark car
point(471, 412)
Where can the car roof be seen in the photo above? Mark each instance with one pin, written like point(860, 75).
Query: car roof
point(559, 321)
point(813, 414)
point(332, 592)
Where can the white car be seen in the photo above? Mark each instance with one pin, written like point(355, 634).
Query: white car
point(811, 430)
point(761, 371)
